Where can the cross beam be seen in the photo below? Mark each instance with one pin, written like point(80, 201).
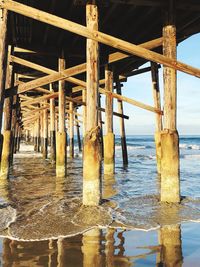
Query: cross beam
point(96, 36)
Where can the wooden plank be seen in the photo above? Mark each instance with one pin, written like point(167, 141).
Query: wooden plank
point(97, 36)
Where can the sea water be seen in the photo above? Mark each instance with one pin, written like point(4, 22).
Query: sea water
point(43, 223)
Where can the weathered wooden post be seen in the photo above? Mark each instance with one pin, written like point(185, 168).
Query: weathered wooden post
point(3, 63)
point(109, 138)
point(27, 135)
point(7, 133)
point(78, 132)
point(38, 134)
point(71, 129)
point(41, 131)
point(157, 104)
point(122, 124)
point(170, 180)
point(91, 151)
point(100, 123)
point(18, 138)
point(61, 134)
point(35, 135)
point(13, 125)
point(52, 128)
point(170, 241)
point(45, 133)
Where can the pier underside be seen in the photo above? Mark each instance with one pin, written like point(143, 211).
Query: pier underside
point(56, 61)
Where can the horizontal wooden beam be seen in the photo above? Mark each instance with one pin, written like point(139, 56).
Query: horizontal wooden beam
point(116, 114)
point(49, 96)
point(131, 101)
point(97, 36)
point(138, 71)
point(39, 99)
point(38, 67)
point(55, 76)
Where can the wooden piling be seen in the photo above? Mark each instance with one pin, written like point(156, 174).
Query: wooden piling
point(170, 180)
point(35, 135)
point(16, 135)
point(78, 133)
point(122, 124)
point(61, 134)
point(38, 134)
point(13, 126)
point(18, 139)
point(41, 132)
point(7, 134)
point(3, 65)
point(91, 150)
point(27, 135)
point(100, 123)
point(45, 134)
point(5, 154)
point(109, 138)
point(71, 129)
point(157, 104)
point(84, 111)
point(52, 129)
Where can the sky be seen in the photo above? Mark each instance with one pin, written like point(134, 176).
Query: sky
point(188, 96)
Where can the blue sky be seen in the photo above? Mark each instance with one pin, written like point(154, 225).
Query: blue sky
point(139, 88)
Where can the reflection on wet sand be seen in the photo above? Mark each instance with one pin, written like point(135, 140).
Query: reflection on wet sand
point(96, 248)
point(91, 248)
point(109, 184)
point(86, 250)
point(171, 246)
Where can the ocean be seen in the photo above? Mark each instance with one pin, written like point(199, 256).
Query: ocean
point(43, 223)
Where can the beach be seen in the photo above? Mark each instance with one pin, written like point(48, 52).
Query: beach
point(44, 223)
